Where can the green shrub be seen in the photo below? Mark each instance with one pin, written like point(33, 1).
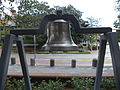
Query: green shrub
point(94, 47)
point(51, 85)
point(77, 83)
point(108, 83)
point(82, 83)
point(14, 84)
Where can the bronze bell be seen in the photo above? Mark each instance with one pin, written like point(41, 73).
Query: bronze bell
point(59, 37)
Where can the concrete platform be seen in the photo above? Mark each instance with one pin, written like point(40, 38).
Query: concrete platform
point(59, 71)
point(62, 66)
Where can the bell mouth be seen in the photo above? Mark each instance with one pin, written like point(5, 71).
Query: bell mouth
point(60, 48)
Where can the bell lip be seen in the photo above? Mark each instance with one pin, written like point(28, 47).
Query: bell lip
point(60, 48)
point(59, 21)
point(60, 45)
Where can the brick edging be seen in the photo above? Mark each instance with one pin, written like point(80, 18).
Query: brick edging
point(67, 75)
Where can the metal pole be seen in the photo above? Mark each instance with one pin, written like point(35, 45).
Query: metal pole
point(34, 47)
point(115, 54)
point(4, 60)
point(100, 64)
point(21, 52)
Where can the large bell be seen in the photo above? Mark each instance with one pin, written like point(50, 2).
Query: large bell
point(59, 37)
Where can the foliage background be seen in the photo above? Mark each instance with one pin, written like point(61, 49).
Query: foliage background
point(31, 12)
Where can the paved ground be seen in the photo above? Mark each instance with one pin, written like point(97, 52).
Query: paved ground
point(58, 71)
point(62, 65)
point(65, 59)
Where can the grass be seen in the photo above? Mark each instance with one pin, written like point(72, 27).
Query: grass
point(85, 52)
point(53, 52)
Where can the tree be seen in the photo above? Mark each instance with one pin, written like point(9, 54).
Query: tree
point(30, 13)
point(93, 22)
point(117, 22)
point(71, 10)
point(118, 5)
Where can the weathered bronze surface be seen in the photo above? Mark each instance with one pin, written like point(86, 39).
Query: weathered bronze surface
point(59, 37)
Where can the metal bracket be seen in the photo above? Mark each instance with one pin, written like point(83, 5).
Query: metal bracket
point(111, 37)
point(115, 54)
point(5, 57)
point(108, 36)
point(101, 56)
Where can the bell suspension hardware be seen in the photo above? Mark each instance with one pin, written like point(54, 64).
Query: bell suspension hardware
point(107, 35)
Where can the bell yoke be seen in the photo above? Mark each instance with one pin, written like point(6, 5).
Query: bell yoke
point(59, 39)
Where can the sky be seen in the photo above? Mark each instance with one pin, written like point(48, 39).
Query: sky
point(103, 9)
